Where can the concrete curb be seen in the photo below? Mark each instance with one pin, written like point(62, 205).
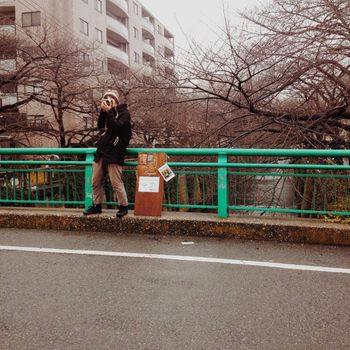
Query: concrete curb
point(180, 224)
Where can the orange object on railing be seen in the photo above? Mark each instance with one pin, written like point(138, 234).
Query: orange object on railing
point(149, 184)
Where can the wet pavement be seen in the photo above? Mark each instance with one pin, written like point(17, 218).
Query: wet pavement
point(80, 301)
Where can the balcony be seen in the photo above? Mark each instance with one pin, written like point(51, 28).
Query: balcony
point(120, 6)
point(147, 70)
point(7, 66)
point(168, 48)
point(118, 27)
point(8, 99)
point(118, 54)
point(148, 48)
point(13, 121)
point(5, 3)
point(7, 29)
point(148, 25)
point(38, 123)
point(169, 68)
point(168, 64)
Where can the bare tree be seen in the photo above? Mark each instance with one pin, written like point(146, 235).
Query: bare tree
point(285, 81)
point(58, 77)
point(153, 104)
point(64, 80)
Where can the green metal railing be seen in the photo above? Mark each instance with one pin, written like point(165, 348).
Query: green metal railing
point(297, 182)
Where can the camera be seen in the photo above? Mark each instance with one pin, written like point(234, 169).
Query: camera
point(108, 101)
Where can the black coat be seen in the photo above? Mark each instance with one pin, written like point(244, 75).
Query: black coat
point(112, 146)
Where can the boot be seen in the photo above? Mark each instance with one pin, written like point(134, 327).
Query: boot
point(94, 209)
point(122, 211)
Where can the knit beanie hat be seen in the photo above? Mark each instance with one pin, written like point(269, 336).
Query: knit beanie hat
point(113, 94)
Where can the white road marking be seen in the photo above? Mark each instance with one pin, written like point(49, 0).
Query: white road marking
point(179, 258)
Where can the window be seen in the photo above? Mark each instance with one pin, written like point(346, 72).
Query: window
point(31, 19)
point(136, 33)
point(98, 35)
point(85, 57)
point(84, 27)
point(159, 29)
point(136, 57)
point(37, 122)
point(136, 9)
point(98, 5)
point(33, 88)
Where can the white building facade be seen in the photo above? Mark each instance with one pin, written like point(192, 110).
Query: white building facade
point(126, 31)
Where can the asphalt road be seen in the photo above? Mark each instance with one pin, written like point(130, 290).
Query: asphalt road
point(64, 300)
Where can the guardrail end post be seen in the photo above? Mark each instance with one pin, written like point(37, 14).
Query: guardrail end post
point(88, 180)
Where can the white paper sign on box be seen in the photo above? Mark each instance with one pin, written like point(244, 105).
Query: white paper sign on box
point(148, 184)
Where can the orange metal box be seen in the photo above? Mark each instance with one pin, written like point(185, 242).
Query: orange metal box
point(149, 184)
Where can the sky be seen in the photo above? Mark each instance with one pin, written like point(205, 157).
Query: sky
point(196, 19)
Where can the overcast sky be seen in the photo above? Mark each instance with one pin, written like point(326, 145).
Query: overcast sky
point(194, 18)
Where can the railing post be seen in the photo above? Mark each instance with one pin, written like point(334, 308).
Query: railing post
point(88, 180)
point(222, 186)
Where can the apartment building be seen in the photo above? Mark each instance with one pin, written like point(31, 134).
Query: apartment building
point(126, 33)
point(125, 29)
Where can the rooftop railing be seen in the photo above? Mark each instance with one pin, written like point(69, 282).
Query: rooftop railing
point(226, 181)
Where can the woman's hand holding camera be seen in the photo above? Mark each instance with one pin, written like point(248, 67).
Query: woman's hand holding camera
point(108, 104)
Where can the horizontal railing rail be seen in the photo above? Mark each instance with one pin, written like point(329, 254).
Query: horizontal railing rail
point(288, 181)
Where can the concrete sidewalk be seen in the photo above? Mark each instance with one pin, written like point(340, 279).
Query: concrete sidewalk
point(280, 229)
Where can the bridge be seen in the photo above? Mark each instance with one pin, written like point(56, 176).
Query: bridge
point(69, 281)
point(216, 192)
